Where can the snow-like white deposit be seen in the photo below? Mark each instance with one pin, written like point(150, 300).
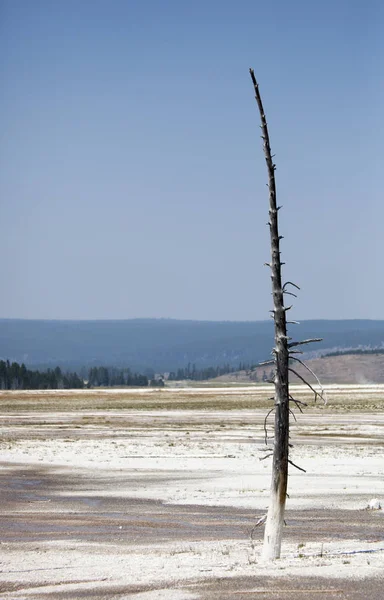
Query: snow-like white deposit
point(199, 458)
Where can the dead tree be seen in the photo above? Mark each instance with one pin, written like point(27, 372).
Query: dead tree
point(282, 352)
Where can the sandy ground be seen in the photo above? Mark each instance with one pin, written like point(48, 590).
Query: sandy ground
point(102, 498)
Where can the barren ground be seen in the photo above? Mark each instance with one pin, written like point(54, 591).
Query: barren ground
point(343, 369)
point(153, 494)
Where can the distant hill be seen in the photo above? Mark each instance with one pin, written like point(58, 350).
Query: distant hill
point(347, 368)
point(167, 344)
point(344, 368)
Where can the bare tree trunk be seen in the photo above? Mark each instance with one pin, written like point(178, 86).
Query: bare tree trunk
point(275, 518)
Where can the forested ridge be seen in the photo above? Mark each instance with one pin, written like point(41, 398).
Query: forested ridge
point(165, 345)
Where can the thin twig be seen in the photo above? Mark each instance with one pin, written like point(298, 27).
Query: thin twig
point(296, 466)
point(307, 383)
point(266, 456)
point(265, 424)
point(314, 375)
point(298, 403)
point(290, 283)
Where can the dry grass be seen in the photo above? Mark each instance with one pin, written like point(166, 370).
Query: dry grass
point(340, 398)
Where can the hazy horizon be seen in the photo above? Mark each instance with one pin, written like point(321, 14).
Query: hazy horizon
point(63, 320)
point(132, 177)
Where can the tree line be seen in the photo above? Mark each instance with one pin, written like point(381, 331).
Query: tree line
point(17, 377)
point(354, 351)
point(14, 376)
point(202, 374)
point(111, 377)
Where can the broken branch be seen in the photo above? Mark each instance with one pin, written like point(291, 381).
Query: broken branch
point(292, 344)
point(296, 466)
point(298, 403)
point(265, 424)
point(267, 362)
point(290, 283)
point(317, 394)
point(261, 521)
point(266, 456)
point(312, 373)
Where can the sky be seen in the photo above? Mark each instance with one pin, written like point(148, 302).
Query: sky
point(132, 177)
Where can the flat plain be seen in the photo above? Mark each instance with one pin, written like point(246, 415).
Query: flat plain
point(145, 493)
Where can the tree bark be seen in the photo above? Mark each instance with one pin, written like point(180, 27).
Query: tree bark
point(275, 517)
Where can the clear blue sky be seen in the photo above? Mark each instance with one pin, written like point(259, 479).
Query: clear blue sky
point(132, 178)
